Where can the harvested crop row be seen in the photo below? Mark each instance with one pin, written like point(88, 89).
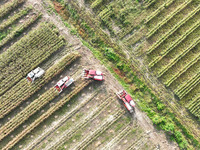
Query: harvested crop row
point(79, 125)
point(60, 122)
point(32, 108)
point(19, 30)
point(170, 16)
point(123, 133)
point(178, 25)
point(14, 18)
point(185, 88)
point(176, 59)
point(23, 90)
point(5, 9)
point(174, 44)
point(182, 70)
point(44, 116)
point(155, 13)
point(103, 127)
point(26, 54)
point(194, 106)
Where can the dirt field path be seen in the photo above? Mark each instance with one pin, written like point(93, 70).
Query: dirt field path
point(156, 137)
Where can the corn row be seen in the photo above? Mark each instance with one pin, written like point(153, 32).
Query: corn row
point(161, 8)
point(44, 116)
point(149, 3)
point(176, 59)
point(184, 69)
point(19, 30)
point(27, 54)
point(81, 124)
point(15, 17)
point(23, 90)
point(178, 25)
point(194, 106)
point(96, 3)
point(103, 127)
point(61, 121)
point(27, 112)
point(105, 14)
point(185, 88)
point(5, 9)
point(118, 138)
point(174, 44)
point(169, 17)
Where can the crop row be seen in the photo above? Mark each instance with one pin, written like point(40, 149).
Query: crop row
point(194, 106)
point(118, 137)
point(5, 9)
point(26, 54)
point(48, 113)
point(60, 122)
point(103, 127)
point(182, 70)
point(149, 3)
point(105, 14)
point(19, 30)
point(23, 90)
point(186, 87)
point(169, 17)
point(174, 44)
point(32, 108)
point(15, 17)
point(79, 125)
point(177, 58)
point(178, 25)
point(155, 13)
point(96, 3)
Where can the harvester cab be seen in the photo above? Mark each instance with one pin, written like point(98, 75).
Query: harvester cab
point(127, 100)
point(36, 73)
point(63, 83)
point(93, 74)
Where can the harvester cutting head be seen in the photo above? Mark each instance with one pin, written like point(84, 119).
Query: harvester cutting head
point(63, 83)
point(127, 100)
point(93, 74)
point(36, 73)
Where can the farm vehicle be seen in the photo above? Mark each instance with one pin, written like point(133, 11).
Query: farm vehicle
point(34, 74)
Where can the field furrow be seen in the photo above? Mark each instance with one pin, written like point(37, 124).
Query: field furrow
point(21, 117)
point(23, 90)
point(181, 71)
point(171, 15)
point(117, 138)
point(49, 112)
point(14, 18)
point(178, 57)
point(25, 55)
point(16, 32)
point(103, 127)
point(173, 29)
point(61, 121)
point(79, 125)
point(9, 6)
point(155, 13)
point(174, 44)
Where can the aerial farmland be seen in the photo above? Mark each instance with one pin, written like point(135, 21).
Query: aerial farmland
point(99, 74)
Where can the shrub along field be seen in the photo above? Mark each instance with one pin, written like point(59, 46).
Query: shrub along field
point(151, 47)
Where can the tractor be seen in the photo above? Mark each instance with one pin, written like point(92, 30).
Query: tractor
point(36, 73)
point(93, 74)
point(63, 83)
point(127, 100)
